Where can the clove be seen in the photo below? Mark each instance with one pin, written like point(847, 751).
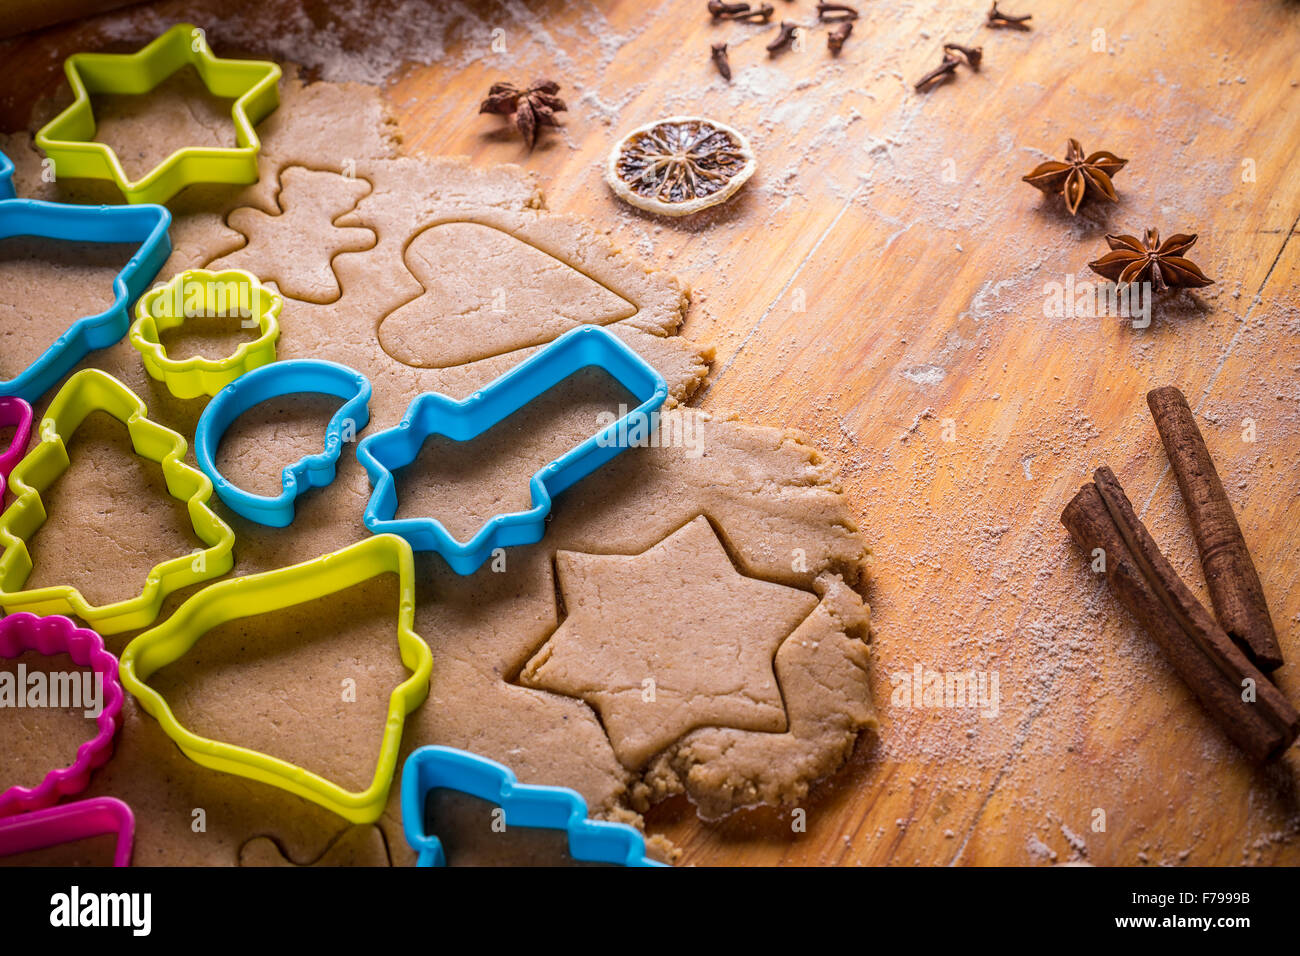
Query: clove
point(721, 10)
point(835, 39)
point(940, 74)
point(784, 38)
point(835, 12)
point(761, 15)
point(997, 19)
point(720, 60)
point(972, 55)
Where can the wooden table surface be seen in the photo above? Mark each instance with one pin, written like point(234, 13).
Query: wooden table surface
point(880, 285)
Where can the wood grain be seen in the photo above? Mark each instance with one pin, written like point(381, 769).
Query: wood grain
point(880, 286)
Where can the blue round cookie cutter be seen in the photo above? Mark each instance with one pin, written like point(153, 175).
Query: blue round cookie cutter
point(525, 805)
point(311, 471)
point(144, 225)
point(385, 452)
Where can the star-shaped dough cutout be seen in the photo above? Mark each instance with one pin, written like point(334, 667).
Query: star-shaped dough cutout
point(665, 641)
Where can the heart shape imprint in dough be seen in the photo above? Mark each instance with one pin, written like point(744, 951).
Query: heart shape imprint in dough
point(488, 293)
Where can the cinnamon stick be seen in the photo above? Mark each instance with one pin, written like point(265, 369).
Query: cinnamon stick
point(1213, 667)
point(1230, 574)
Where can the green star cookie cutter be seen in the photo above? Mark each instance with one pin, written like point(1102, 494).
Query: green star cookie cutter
point(68, 138)
point(88, 391)
point(271, 591)
point(198, 292)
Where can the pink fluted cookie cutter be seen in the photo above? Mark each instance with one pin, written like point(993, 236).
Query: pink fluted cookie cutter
point(56, 635)
point(16, 412)
point(68, 823)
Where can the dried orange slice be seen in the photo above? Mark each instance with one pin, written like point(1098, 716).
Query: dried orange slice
point(679, 165)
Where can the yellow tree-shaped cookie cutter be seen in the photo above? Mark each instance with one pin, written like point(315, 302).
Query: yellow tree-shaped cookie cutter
point(199, 292)
point(265, 593)
point(88, 391)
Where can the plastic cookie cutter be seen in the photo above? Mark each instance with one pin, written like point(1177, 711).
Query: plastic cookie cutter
point(67, 139)
point(432, 414)
point(68, 823)
point(312, 471)
point(88, 391)
point(551, 808)
point(6, 177)
point(17, 414)
point(58, 635)
point(194, 293)
point(145, 226)
point(265, 593)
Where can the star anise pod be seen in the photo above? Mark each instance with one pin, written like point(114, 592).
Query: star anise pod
point(1078, 176)
point(532, 108)
point(1150, 260)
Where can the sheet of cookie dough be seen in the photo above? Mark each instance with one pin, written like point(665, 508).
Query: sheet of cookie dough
point(410, 316)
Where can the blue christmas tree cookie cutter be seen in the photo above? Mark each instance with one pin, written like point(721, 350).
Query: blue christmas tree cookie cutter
point(387, 451)
point(145, 225)
point(550, 808)
point(312, 471)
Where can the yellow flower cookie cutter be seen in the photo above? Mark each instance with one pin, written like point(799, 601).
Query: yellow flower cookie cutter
point(233, 293)
point(264, 593)
point(68, 138)
point(91, 390)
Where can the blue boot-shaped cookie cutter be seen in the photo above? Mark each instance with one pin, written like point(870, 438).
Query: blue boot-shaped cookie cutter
point(312, 471)
point(549, 808)
point(387, 451)
point(144, 226)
